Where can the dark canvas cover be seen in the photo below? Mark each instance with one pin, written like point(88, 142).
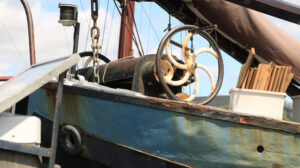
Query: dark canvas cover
point(253, 29)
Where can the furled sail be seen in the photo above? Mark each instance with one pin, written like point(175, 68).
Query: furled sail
point(253, 29)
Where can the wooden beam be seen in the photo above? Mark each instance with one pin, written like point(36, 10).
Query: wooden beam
point(245, 68)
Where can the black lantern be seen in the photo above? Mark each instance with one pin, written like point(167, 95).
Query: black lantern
point(68, 14)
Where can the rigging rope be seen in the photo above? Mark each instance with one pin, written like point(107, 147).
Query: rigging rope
point(86, 18)
point(131, 33)
point(136, 29)
point(12, 40)
point(141, 16)
point(129, 30)
point(116, 37)
point(150, 23)
point(149, 31)
point(106, 49)
point(105, 22)
point(86, 40)
point(88, 21)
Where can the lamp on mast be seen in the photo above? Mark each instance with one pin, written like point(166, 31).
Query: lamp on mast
point(68, 17)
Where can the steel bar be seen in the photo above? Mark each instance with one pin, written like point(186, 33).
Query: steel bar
point(75, 43)
point(17, 147)
point(277, 8)
point(204, 28)
point(179, 45)
point(30, 32)
point(195, 30)
point(56, 120)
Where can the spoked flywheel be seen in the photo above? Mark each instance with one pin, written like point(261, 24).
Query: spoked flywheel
point(167, 63)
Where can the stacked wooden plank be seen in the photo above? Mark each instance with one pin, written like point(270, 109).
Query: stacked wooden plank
point(268, 77)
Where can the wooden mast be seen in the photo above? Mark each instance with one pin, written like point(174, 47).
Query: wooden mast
point(125, 42)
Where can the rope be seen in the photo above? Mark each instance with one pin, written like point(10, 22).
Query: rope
point(105, 23)
point(84, 12)
point(149, 31)
point(12, 40)
point(136, 29)
point(131, 33)
point(88, 21)
point(150, 23)
point(104, 72)
point(106, 49)
point(116, 37)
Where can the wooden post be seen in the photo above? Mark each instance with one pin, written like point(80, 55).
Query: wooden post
point(125, 41)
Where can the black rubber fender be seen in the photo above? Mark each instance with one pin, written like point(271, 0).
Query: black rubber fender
point(71, 140)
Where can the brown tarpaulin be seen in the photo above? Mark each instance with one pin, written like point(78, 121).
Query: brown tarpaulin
point(253, 29)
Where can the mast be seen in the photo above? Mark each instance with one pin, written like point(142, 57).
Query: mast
point(125, 42)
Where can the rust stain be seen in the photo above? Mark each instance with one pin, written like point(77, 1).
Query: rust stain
point(51, 86)
point(242, 141)
point(50, 92)
point(169, 103)
point(246, 121)
point(51, 89)
point(261, 137)
point(275, 165)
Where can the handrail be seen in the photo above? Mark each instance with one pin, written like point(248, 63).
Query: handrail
point(30, 32)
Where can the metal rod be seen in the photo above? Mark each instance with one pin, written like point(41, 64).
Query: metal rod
point(204, 28)
point(30, 32)
point(56, 120)
point(179, 45)
point(75, 43)
point(24, 148)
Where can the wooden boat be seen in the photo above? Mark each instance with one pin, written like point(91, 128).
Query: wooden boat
point(120, 128)
point(126, 121)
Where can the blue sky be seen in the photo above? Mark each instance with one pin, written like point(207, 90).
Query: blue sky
point(53, 40)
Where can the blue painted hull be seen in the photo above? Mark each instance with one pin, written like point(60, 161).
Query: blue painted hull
point(194, 135)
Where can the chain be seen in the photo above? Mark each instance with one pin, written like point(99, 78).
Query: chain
point(96, 47)
point(95, 34)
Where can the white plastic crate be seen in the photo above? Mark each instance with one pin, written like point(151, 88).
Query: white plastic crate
point(257, 102)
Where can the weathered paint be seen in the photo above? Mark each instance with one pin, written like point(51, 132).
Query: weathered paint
point(196, 139)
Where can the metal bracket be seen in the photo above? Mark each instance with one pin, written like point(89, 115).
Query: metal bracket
point(56, 120)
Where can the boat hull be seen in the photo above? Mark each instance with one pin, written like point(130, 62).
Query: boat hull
point(193, 135)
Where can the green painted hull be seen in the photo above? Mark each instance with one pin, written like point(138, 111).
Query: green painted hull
point(194, 135)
